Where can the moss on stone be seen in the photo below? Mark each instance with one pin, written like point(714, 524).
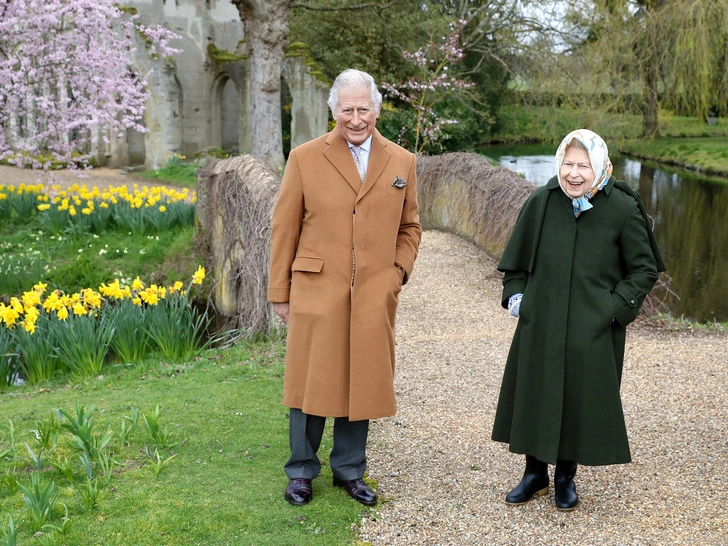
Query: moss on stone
point(221, 56)
point(300, 49)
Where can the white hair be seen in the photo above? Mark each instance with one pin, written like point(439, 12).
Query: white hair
point(352, 77)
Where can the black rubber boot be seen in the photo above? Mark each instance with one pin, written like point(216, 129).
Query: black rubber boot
point(535, 482)
point(564, 486)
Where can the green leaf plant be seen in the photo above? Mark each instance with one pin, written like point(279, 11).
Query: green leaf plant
point(160, 434)
point(39, 500)
point(10, 535)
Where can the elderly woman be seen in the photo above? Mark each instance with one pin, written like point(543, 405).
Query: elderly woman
point(577, 267)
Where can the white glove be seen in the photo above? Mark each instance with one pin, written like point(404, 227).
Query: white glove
point(514, 305)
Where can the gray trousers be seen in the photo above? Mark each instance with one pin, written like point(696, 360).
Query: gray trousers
point(348, 458)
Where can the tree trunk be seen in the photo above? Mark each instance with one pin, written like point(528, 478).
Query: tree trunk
point(651, 104)
point(651, 54)
point(266, 29)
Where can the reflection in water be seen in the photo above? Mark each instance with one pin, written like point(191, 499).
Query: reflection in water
point(691, 224)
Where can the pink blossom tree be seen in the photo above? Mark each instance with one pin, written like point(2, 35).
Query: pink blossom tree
point(67, 77)
point(434, 81)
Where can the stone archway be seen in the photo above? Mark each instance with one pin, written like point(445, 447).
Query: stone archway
point(229, 98)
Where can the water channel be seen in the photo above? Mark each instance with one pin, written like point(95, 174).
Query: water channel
point(690, 223)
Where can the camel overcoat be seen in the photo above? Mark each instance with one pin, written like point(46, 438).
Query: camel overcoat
point(583, 281)
point(337, 244)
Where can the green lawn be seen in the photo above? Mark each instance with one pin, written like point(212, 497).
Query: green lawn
point(709, 154)
point(225, 484)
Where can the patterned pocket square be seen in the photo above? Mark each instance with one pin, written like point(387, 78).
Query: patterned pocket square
point(399, 182)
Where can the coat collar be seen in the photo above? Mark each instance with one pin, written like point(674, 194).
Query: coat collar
point(339, 156)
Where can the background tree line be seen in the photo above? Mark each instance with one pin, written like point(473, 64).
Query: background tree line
point(614, 56)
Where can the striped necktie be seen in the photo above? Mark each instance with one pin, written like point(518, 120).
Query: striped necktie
point(360, 163)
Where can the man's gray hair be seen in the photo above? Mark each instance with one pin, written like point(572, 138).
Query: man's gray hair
point(351, 77)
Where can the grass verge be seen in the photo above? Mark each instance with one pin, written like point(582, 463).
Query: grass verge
point(708, 155)
point(225, 484)
point(78, 259)
point(177, 172)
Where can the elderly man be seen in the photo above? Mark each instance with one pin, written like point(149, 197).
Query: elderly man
point(344, 239)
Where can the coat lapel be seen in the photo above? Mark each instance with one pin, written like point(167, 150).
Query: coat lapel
point(340, 157)
point(378, 159)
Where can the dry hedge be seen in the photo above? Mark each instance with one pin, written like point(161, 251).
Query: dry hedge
point(236, 197)
point(463, 193)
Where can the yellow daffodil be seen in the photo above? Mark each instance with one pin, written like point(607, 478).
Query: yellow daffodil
point(62, 313)
point(8, 315)
point(150, 296)
point(137, 284)
point(199, 275)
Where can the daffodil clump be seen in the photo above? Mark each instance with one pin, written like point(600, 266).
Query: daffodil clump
point(136, 209)
point(45, 333)
point(22, 199)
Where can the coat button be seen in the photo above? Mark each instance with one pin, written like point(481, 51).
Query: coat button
point(631, 301)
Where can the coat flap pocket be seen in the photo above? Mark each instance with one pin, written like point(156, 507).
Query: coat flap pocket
point(312, 265)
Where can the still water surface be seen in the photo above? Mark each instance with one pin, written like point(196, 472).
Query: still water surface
point(691, 223)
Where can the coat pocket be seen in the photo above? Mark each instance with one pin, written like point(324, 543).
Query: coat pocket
point(310, 265)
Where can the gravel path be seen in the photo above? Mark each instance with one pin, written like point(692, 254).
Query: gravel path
point(442, 480)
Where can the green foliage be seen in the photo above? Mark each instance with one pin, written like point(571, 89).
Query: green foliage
point(83, 342)
point(40, 459)
point(29, 254)
point(160, 434)
point(64, 468)
point(89, 493)
point(7, 359)
point(176, 328)
point(709, 155)
point(21, 263)
point(80, 426)
point(129, 342)
point(524, 123)
point(176, 171)
point(128, 424)
point(39, 500)
point(10, 536)
point(157, 462)
point(9, 480)
point(37, 360)
point(46, 432)
point(382, 32)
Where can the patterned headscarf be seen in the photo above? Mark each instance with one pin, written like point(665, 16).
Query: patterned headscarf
point(600, 164)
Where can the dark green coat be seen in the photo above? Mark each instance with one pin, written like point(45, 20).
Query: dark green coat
point(583, 280)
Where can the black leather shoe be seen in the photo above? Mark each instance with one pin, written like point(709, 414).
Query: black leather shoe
point(535, 482)
point(299, 491)
point(564, 486)
point(358, 490)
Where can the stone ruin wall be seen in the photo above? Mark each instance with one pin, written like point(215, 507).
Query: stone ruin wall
point(199, 100)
